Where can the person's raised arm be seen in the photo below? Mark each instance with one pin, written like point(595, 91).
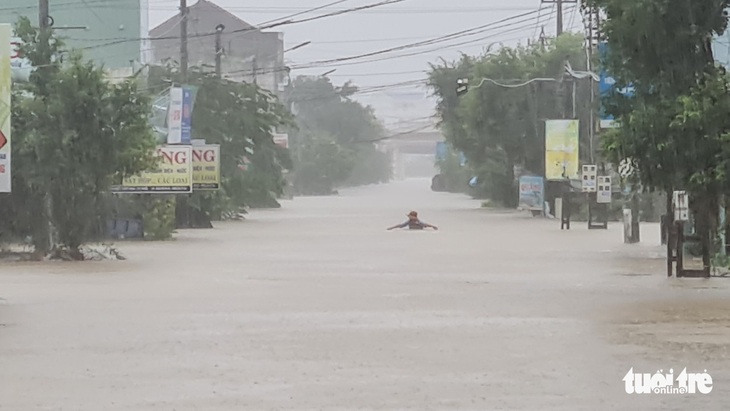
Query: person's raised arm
point(427, 225)
point(404, 225)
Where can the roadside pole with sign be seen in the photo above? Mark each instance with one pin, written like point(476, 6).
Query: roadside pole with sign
point(692, 250)
point(562, 149)
point(598, 194)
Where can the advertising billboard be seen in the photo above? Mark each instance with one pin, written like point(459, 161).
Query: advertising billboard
point(532, 193)
point(186, 119)
point(562, 149)
point(20, 67)
point(606, 85)
point(206, 167)
point(174, 116)
point(174, 174)
point(5, 83)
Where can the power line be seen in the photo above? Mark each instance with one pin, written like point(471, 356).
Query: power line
point(337, 64)
point(253, 29)
point(448, 37)
point(415, 53)
point(300, 13)
point(459, 34)
point(431, 41)
point(396, 135)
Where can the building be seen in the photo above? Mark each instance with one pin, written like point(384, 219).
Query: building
point(249, 54)
point(112, 33)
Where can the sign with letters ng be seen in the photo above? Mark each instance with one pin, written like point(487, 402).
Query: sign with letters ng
point(206, 167)
point(174, 174)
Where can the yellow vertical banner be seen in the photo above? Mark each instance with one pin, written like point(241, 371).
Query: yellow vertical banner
point(562, 149)
point(206, 167)
point(5, 83)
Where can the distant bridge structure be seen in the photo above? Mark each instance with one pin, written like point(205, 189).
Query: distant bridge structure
point(413, 153)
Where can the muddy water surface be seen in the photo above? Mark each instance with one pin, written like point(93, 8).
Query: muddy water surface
point(316, 307)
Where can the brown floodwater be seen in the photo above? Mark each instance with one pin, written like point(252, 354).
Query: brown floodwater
point(316, 307)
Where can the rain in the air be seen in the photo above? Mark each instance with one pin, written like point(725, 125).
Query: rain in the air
point(364, 205)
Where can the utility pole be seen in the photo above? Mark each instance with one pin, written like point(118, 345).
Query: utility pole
point(43, 14)
point(559, 8)
point(559, 31)
point(255, 69)
point(543, 38)
point(44, 23)
point(184, 40)
point(218, 49)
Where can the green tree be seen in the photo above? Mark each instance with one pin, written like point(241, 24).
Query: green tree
point(325, 164)
point(74, 134)
point(500, 126)
point(675, 126)
point(327, 115)
point(241, 118)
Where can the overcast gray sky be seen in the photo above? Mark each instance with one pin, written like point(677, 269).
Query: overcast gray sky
point(385, 27)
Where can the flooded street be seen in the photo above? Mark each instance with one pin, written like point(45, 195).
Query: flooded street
point(316, 307)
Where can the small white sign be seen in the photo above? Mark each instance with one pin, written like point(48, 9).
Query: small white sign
point(20, 67)
point(604, 190)
point(680, 200)
point(281, 140)
point(590, 173)
point(174, 116)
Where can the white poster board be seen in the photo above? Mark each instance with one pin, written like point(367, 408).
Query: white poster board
point(589, 176)
point(174, 116)
point(604, 190)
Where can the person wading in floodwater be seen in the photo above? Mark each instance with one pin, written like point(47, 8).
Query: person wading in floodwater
point(413, 223)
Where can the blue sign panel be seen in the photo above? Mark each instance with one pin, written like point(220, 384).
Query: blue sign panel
point(721, 48)
point(187, 115)
point(605, 86)
point(442, 151)
point(532, 192)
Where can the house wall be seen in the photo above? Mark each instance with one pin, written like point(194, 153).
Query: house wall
point(113, 29)
point(241, 48)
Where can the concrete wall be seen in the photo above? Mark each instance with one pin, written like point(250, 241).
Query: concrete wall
point(113, 29)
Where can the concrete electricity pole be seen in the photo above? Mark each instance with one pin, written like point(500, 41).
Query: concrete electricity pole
point(559, 8)
point(218, 49)
point(43, 14)
point(44, 23)
point(559, 4)
point(255, 69)
point(184, 39)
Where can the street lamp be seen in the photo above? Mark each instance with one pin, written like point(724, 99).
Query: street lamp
point(327, 73)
